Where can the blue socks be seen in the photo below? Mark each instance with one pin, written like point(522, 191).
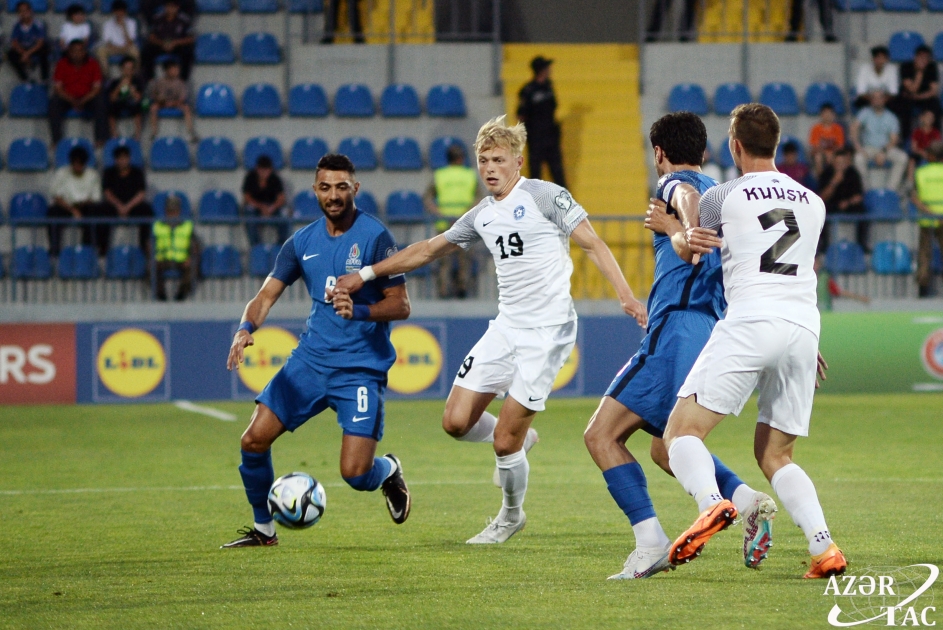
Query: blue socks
point(258, 477)
point(727, 480)
point(629, 489)
point(373, 478)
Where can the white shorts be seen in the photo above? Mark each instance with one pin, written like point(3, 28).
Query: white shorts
point(522, 362)
point(770, 354)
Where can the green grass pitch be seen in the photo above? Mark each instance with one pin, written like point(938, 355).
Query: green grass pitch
point(156, 491)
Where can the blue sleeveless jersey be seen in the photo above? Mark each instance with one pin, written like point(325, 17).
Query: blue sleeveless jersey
point(678, 285)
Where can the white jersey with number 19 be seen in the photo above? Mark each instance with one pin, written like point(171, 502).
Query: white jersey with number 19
point(770, 226)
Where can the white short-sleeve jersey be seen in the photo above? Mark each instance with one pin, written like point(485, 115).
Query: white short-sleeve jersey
point(770, 226)
point(528, 234)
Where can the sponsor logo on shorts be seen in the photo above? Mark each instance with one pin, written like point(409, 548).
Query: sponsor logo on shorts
point(131, 363)
point(885, 596)
point(418, 359)
point(354, 263)
point(932, 354)
point(263, 359)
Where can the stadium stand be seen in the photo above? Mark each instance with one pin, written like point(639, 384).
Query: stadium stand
point(447, 101)
point(903, 44)
point(31, 263)
point(846, 257)
point(28, 205)
point(400, 101)
point(218, 206)
point(263, 145)
point(730, 95)
point(819, 94)
point(438, 151)
point(216, 100)
point(60, 6)
point(67, 144)
point(260, 49)
point(261, 101)
point(353, 100)
point(402, 154)
point(781, 98)
point(262, 259)
point(306, 152)
point(306, 206)
point(126, 262)
point(137, 156)
point(891, 258)
point(78, 263)
point(405, 206)
point(882, 205)
point(170, 153)
point(39, 6)
point(160, 203)
point(215, 48)
point(216, 154)
point(214, 6)
point(220, 261)
point(307, 100)
point(258, 6)
point(366, 202)
point(28, 100)
point(360, 151)
point(910, 6)
point(785, 139)
point(688, 97)
point(28, 154)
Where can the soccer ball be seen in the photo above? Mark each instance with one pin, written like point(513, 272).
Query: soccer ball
point(297, 500)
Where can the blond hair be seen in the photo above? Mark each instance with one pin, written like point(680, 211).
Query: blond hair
point(496, 133)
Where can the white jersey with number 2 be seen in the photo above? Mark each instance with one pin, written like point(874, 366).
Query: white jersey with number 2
point(770, 226)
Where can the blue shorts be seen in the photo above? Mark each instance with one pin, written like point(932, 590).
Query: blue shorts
point(301, 391)
point(648, 384)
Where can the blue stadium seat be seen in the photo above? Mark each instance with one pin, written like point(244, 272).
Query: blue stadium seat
point(218, 206)
point(29, 100)
point(220, 261)
point(305, 6)
point(366, 202)
point(405, 206)
point(67, 144)
point(216, 100)
point(938, 44)
point(307, 99)
point(2, 267)
point(170, 112)
point(781, 98)
point(31, 263)
point(216, 154)
point(1, 108)
point(78, 263)
point(134, 7)
point(936, 260)
point(170, 153)
point(910, 6)
point(438, 151)
point(845, 257)
point(891, 258)
point(883, 205)
point(28, 155)
point(261, 101)
point(903, 44)
point(400, 101)
point(263, 145)
point(360, 151)
point(258, 6)
point(856, 5)
point(446, 100)
point(935, 5)
point(215, 48)
point(305, 205)
point(60, 6)
point(125, 263)
point(160, 203)
point(728, 95)
point(306, 152)
point(39, 6)
point(782, 142)
point(213, 6)
point(260, 48)
point(108, 157)
point(353, 100)
point(402, 154)
point(262, 259)
point(724, 158)
point(688, 97)
point(819, 94)
point(28, 205)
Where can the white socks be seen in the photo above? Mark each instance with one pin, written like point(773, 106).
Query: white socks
point(483, 431)
point(266, 528)
point(513, 470)
point(649, 533)
point(743, 497)
point(693, 466)
point(798, 496)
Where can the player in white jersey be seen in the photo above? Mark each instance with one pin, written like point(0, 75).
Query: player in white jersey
point(769, 228)
point(526, 225)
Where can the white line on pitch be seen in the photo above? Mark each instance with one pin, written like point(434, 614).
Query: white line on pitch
point(219, 414)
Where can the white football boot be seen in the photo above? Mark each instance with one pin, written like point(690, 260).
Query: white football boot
point(644, 562)
point(498, 532)
point(758, 529)
point(529, 440)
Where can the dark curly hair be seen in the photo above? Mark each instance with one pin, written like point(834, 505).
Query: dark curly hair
point(682, 136)
point(336, 162)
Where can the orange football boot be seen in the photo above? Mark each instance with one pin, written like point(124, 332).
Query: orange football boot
point(712, 520)
point(828, 563)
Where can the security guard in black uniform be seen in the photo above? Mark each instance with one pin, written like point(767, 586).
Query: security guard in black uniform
point(536, 110)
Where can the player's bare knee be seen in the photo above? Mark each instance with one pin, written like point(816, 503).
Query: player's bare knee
point(454, 424)
point(254, 443)
point(595, 438)
point(354, 469)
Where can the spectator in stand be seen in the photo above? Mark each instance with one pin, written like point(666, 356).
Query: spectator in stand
point(825, 19)
point(76, 192)
point(126, 99)
point(921, 139)
point(536, 108)
point(332, 21)
point(28, 45)
point(661, 10)
point(75, 27)
point(170, 35)
point(827, 287)
point(170, 91)
point(173, 250)
point(124, 189)
point(825, 137)
point(880, 74)
point(842, 190)
point(119, 35)
point(711, 168)
point(794, 167)
point(263, 195)
point(151, 10)
point(77, 84)
point(928, 197)
point(919, 89)
point(875, 134)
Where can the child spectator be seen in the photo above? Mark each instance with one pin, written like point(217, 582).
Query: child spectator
point(170, 91)
point(119, 35)
point(173, 244)
point(827, 287)
point(28, 45)
point(126, 99)
point(825, 137)
point(795, 168)
point(75, 27)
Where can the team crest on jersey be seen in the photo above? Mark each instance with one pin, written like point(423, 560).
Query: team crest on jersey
point(390, 251)
point(353, 259)
point(563, 200)
point(519, 213)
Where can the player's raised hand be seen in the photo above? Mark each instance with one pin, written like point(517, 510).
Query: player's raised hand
point(350, 283)
point(821, 366)
point(343, 303)
point(703, 240)
point(656, 218)
point(240, 342)
point(636, 309)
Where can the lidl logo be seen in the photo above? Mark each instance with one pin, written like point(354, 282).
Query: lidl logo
point(568, 371)
point(418, 359)
point(266, 357)
point(131, 363)
point(932, 354)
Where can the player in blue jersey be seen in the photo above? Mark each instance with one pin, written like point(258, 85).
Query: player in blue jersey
point(684, 304)
point(342, 358)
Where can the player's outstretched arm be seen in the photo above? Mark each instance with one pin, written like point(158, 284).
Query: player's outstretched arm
point(394, 305)
point(598, 252)
point(403, 261)
point(254, 316)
